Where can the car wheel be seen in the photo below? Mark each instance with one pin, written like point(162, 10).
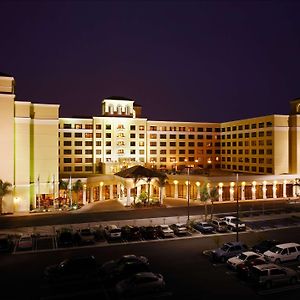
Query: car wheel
point(268, 284)
point(293, 280)
point(277, 261)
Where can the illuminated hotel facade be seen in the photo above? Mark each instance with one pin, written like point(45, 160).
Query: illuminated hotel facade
point(264, 150)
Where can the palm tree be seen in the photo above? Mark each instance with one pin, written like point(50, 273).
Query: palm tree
point(77, 187)
point(5, 189)
point(214, 196)
point(63, 185)
point(204, 196)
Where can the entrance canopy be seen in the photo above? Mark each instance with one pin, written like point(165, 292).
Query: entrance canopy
point(139, 172)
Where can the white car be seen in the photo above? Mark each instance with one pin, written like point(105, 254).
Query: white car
point(25, 242)
point(112, 232)
point(143, 283)
point(233, 223)
point(165, 231)
point(233, 262)
point(283, 252)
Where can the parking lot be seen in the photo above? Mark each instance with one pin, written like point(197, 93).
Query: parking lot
point(48, 238)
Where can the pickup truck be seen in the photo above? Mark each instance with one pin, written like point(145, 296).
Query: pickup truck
point(232, 222)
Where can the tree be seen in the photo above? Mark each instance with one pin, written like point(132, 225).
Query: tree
point(63, 185)
point(214, 196)
point(204, 197)
point(77, 187)
point(5, 189)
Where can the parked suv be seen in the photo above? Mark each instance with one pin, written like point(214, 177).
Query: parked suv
point(228, 250)
point(219, 225)
point(112, 232)
point(267, 275)
point(283, 252)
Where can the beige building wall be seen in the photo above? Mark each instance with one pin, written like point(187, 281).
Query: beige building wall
point(7, 136)
point(294, 137)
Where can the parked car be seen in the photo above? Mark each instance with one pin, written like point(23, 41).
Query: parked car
point(141, 284)
point(179, 229)
point(283, 252)
point(86, 236)
point(219, 225)
point(6, 243)
point(228, 250)
point(131, 233)
point(65, 238)
point(203, 227)
point(268, 275)
point(73, 269)
point(111, 265)
point(165, 231)
point(233, 223)
point(243, 269)
point(149, 232)
point(25, 242)
point(112, 232)
point(264, 246)
point(233, 262)
point(124, 271)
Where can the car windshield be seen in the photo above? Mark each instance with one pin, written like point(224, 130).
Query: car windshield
point(117, 230)
point(276, 249)
point(225, 247)
point(242, 256)
point(222, 223)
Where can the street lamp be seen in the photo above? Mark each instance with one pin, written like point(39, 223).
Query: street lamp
point(237, 206)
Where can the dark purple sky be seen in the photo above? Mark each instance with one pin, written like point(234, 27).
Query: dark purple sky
point(190, 61)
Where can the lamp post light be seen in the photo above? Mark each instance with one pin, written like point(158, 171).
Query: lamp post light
point(188, 190)
point(237, 206)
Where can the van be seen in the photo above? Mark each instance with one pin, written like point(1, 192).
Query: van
point(283, 252)
point(219, 225)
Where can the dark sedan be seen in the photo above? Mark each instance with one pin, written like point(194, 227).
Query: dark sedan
point(203, 227)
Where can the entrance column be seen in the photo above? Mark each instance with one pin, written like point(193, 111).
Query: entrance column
point(231, 191)
point(187, 190)
point(128, 197)
point(111, 192)
point(150, 190)
point(198, 190)
point(101, 191)
point(243, 190)
point(253, 190)
point(221, 191)
point(138, 192)
point(274, 189)
point(119, 191)
point(284, 189)
point(176, 189)
point(264, 189)
point(92, 194)
point(84, 195)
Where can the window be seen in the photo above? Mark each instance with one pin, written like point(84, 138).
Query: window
point(172, 136)
point(200, 144)
point(88, 143)
point(261, 125)
point(141, 144)
point(172, 144)
point(67, 151)
point(132, 151)
point(269, 124)
point(132, 127)
point(67, 134)
point(217, 129)
point(261, 151)
point(108, 144)
point(98, 126)
point(98, 152)
point(88, 168)
point(77, 151)
point(269, 133)
point(163, 144)
point(172, 128)
point(132, 135)
point(269, 170)
point(200, 136)
point(209, 137)
point(163, 136)
point(261, 170)
point(153, 136)
point(191, 144)
point(153, 128)
point(181, 151)
point(163, 128)
point(191, 137)
point(153, 144)
point(269, 143)
point(98, 135)
point(163, 151)
point(108, 135)
point(269, 151)
point(253, 169)
point(78, 134)
point(200, 129)
point(141, 135)
point(132, 144)
point(108, 127)
point(253, 126)
point(181, 128)
point(247, 126)
point(88, 135)
point(67, 126)
point(67, 169)
point(208, 129)
point(120, 151)
point(152, 151)
point(120, 135)
point(78, 160)
point(108, 152)
point(172, 151)
point(253, 134)
point(67, 160)
point(181, 136)
point(142, 152)
point(141, 127)
point(191, 151)
point(120, 126)
point(163, 159)
point(88, 126)
point(88, 151)
point(253, 151)
point(68, 143)
point(181, 144)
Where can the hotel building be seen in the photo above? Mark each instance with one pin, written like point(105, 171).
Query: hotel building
point(264, 150)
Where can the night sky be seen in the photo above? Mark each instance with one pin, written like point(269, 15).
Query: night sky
point(189, 61)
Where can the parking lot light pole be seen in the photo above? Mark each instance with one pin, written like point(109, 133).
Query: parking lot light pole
point(237, 206)
point(188, 192)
